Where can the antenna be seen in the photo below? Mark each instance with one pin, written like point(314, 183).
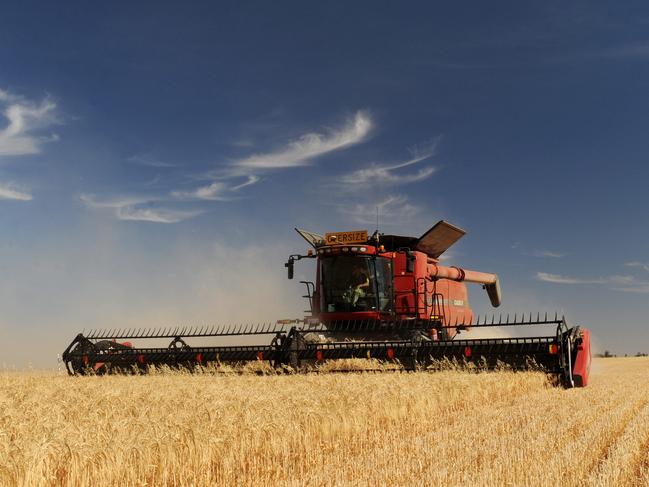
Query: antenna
point(377, 218)
point(377, 224)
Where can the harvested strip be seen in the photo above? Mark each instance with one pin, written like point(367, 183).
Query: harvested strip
point(623, 463)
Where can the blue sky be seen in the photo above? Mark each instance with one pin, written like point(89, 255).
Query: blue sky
point(154, 158)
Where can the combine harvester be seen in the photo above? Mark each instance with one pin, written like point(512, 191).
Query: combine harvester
point(384, 297)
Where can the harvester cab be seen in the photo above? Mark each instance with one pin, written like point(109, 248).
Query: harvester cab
point(392, 278)
point(380, 296)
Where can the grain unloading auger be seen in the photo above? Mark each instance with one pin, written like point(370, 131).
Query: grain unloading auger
point(384, 297)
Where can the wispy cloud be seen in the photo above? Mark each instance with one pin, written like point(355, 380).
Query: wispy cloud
point(556, 278)
point(149, 161)
point(226, 181)
point(547, 253)
point(139, 209)
point(622, 283)
point(392, 208)
point(630, 50)
point(115, 202)
point(212, 192)
point(641, 265)
point(26, 121)
point(392, 173)
point(216, 191)
point(155, 215)
point(9, 192)
point(309, 146)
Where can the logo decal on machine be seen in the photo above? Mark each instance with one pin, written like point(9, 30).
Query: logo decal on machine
point(356, 236)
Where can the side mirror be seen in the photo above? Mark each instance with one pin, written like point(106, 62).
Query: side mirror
point(290, 266)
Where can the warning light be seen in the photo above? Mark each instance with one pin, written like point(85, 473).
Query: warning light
point(467, 352)
point(319, 356)
point(554, 349)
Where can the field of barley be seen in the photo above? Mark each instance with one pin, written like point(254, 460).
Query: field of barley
point(442, 428)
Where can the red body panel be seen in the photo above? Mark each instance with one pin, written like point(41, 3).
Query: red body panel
point(581, 367)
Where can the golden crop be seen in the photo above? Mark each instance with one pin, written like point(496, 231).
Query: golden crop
point(441, 428)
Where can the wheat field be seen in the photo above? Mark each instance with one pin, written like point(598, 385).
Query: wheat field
point(426, 428)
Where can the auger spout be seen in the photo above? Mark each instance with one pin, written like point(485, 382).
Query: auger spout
point(489, 280)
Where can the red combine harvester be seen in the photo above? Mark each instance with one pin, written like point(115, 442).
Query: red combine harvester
point(384, 297)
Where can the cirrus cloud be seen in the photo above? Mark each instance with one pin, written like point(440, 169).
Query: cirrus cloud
point(9, 192)
point(311, 145)
point(26, 122)
point(135, 208)
point(392, 174)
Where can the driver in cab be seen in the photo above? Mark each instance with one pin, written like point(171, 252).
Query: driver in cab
point(360, 282)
